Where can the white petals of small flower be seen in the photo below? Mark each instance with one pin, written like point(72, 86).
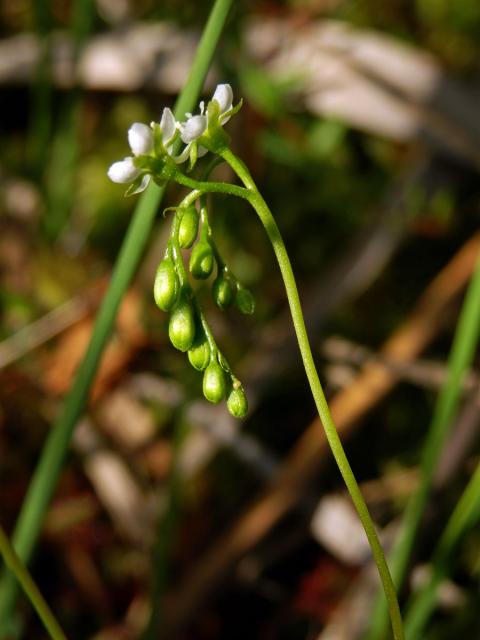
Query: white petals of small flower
point(123, 171)
point(193, 128)
point(168, 125)
point(224, 96)
point(140, 139)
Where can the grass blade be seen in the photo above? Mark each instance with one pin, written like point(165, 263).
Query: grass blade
point(465, 515)
point(51, 460)
point(460, 359)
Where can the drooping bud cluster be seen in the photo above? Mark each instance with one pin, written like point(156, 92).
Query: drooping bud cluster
point(188, 329)
point(154, 156)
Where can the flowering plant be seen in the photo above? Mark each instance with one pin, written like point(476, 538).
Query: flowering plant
point(154, 157)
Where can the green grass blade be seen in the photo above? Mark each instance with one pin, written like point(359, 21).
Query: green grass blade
point(465, 515)
point(18, 569)
point(64, 148)
point(48, 469)
point(461, 357)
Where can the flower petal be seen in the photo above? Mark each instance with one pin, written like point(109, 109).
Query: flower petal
point(140, 139)
point(167, 124)
point(123, 171)
point(193, 128)
point(224, 96)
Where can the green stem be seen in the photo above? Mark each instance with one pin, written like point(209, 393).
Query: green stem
point(273, 232)
point(460, 358)
point(48, 470)
point(18, 569)
point(221, 265)
point(212, 187)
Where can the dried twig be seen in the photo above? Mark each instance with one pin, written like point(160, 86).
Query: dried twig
point(424, 373)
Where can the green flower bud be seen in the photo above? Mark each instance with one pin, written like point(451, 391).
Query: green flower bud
point(222, 292)
point(237, 403)
point(181, 328)
point(214, 386)
point(188, 229)
point(201, 260)
point(165, 288)
point(245, 301)
point(199, 354)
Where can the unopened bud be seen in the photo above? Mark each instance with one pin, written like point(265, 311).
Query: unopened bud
point(222, 292)
point(214, 386)
point(245, 301)
point(181, 328)
point(188, 229)
point(165, 287)
point(237, 403)
point(199, 353)
point(201, 261)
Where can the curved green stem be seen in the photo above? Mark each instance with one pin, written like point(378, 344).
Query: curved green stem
point(18, 569)
point(211, 187)
point(177, 255)
point(273, 232)
point(221, 265)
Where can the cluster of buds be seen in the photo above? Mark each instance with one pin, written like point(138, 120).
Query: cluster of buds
point(188, 329)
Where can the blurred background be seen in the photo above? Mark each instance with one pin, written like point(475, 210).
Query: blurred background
point(361, 126)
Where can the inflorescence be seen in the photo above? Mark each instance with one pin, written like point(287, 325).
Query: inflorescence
point(154, 157)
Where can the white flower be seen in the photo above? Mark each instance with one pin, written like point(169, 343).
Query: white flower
point(190, 130)
point(193, 128)
point(140, 139)
point(196, 125)
point(123, 171)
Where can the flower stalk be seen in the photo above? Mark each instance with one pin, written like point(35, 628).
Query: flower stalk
point(268, 221)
